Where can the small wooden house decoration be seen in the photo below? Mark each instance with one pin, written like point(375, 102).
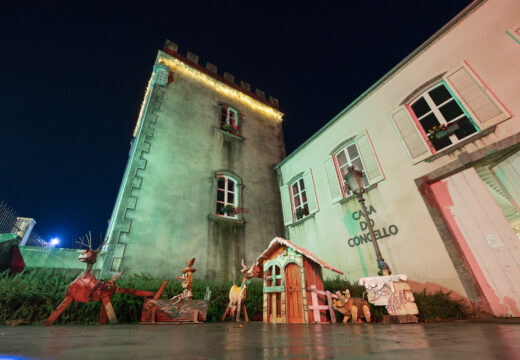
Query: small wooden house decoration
point(288, 272)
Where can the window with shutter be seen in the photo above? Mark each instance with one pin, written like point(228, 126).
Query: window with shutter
point(358, 153)
point(455, 108)
point(299, 198)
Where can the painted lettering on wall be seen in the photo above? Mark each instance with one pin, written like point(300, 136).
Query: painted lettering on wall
point(380, 233)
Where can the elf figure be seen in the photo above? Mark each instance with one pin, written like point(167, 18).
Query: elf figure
point(187, 280)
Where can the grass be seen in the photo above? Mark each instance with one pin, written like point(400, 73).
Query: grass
point(33, 295)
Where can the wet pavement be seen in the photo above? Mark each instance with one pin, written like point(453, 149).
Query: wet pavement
point(263, 341)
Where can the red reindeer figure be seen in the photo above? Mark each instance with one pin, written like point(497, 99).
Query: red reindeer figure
point(86, 286)
point(238, 296)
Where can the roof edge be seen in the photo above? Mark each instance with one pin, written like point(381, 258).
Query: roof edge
point(461, 15)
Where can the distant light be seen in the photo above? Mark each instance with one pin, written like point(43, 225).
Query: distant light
point(55, 241)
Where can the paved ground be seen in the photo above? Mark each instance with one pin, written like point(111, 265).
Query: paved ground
point(250, 341)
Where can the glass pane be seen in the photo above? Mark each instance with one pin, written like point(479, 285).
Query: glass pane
point(220, 195)
point(221, 183)
point(296, 201)
point(231, 198)
point(352, 151)
point(343, 171)
point(304, 197)
point(302, 185)
point(365, 180)
point(466, 128)
point(441, 143)
point(451, 110)
point(231, 185)
point(295, 189)
point(342, 159)
point(439, 95)
point(358, 164)
point(220, 209)
point(420, 107)
point(306, 208)
point(428, 122)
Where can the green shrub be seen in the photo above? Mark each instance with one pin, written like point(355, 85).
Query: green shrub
point(33, 295)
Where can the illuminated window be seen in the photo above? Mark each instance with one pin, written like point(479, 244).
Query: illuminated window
point(227, 196)
point(229, 119)
point(349, 156)
point(299, 199)
point(441, 117)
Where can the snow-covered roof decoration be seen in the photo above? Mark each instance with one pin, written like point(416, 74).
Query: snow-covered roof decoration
point(378, 282)
point(278, 241)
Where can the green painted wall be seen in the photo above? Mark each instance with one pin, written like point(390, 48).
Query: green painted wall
point(168, 195)
point(54, 258)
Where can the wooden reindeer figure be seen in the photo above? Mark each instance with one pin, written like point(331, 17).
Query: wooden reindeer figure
point(237, 295)
point(86, 286)
point(348, 306)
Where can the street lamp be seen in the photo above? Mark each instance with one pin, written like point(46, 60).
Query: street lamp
point(354, 179)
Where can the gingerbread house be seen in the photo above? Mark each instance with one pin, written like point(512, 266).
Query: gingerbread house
point(289, 272)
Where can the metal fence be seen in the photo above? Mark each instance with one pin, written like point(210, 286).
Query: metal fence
point(9, 223)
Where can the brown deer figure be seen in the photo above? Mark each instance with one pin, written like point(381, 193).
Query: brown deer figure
point(86, 286)
point(348, 306)
point(237, 294)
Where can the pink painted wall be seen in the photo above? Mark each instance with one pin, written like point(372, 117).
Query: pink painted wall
point(485, 238)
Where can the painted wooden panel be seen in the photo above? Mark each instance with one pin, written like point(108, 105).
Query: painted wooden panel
point(294, 294)
point(313, 276)
point(508, 173)
point(485, 238)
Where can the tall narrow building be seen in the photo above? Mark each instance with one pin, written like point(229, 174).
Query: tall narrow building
point(199, 180)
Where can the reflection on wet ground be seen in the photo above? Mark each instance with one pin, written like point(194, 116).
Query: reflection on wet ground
point(264, 341)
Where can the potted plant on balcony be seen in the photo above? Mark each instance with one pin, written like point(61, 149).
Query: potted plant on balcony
point(443, 130)
point(228, 128)
point(229, 210)
point(300, 213)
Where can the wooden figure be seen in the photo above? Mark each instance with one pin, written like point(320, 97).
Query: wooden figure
point(293, 285)
point(86, 286)
point(237, 294)
point(187, 280)
point(348, 306)
point(179, 309)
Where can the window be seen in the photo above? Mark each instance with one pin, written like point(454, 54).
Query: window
point(229, 119)
point(357, 152)
point(459, 106)
point(227, 196)
point(349, 156)
point(299, 198)
point(441, 117)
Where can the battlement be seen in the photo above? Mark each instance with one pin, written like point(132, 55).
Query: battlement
point(210, 69)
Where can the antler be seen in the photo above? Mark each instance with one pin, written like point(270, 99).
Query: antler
point(244, 267)
point(101, 245)
point(88, 244)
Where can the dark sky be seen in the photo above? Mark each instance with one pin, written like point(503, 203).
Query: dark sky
point(73, 77)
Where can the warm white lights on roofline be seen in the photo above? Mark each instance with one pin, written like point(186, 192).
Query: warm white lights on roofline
point(185, 69)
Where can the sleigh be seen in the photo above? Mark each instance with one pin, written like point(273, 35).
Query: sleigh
point(163, 311)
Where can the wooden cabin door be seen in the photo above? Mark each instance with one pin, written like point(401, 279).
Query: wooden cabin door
point(294, 294)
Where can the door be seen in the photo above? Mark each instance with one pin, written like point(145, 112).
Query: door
point(294, 294)
point(485, 238)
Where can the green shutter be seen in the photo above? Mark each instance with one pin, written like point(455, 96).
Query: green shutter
point(476, 97)
point(312, 201)
point(286, 205)
point(369, 158)
point(332, 176)
point(410, 136)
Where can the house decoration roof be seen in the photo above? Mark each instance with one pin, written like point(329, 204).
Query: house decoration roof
point(278, 241)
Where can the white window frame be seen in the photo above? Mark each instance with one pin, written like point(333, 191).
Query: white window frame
point(226, 191)
point(438, 115)
point(230, 112)
point(349, 161)
point(300, 195)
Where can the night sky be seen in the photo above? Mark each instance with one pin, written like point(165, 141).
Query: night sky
point(73, 77)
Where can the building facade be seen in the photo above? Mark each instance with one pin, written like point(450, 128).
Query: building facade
point(438, 141)
point(199, 180)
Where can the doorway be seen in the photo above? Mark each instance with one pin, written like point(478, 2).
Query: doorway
point(294, 294)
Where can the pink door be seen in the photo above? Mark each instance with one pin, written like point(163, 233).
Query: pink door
point(484, 236)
